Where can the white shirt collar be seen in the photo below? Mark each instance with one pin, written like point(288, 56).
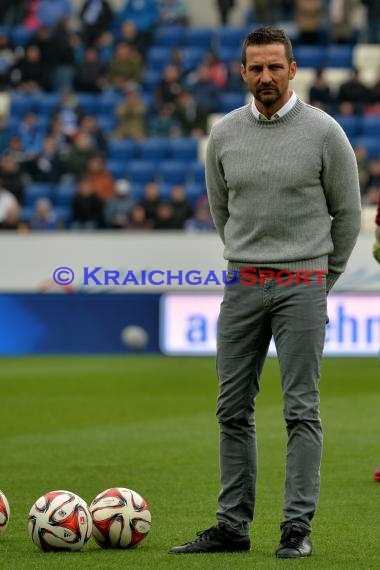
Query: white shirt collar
point(280, 113)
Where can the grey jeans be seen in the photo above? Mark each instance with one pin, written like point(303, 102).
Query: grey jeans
point(295, 314)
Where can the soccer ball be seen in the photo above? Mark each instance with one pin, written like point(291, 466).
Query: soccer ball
point(134, 337)
point(5, 512)
point(60, 520)
point(120, 518)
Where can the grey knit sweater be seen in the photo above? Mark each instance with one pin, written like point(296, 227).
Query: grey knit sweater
point(284, 193)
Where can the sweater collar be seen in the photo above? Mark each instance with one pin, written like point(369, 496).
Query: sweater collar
point(280, 113)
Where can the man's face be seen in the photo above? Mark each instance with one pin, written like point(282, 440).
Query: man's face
point(267, 74)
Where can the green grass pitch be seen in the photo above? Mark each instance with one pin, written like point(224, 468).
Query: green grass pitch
point(148, 423)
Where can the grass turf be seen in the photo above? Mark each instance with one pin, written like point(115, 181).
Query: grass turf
point(148, 423)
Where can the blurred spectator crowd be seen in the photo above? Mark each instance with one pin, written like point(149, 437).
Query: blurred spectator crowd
point(105, 109)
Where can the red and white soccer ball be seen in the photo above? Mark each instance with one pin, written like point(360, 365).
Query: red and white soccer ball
point(5, 512)
point(60, 520)
point(120, 518)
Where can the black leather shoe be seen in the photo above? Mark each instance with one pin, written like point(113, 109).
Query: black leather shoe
point(214, 539)
point(295, 542)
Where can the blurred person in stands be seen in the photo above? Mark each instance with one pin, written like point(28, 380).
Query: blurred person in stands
point(204, 90)
point(87, 207)
point(96, 17)
point(30, 74)
point(100, 178)
point(48, 164)
point(372, 189)
point(117, 210)
point(309, 17)
point(131, 113)
point(125, 65)
point(7, 59)
point(145, 16)
point(165, 217)
point(80, 152)
point(163, 123)
point(9, 210)
point(225, 8)
point(217, 69)
point(62, 141)
point(373, 21)
point(342, 20)
point(138, 219)
point(234, 80)
point(151, 201)
point(31, 136)
point(182, 207)
point(69, 112)
point(16, 151)
point(320, 94)
point(363, 167)
point(174, 13)
point(89, 125)
point(376, 245)
point(12, 177)
point(51, 12)
point(5, 133)
point(13, 13)
point(90, 73)
point(44, 216)
point(201, 220)
point(57, 55)
point(169, 87)
point(129, 35)
point(354, 91)
point(191, 115)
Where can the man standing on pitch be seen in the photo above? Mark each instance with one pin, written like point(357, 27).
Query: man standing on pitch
point(283, 188)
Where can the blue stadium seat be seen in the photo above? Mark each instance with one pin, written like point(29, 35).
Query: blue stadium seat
point(106, 104)
point(230, 101)
point(228, 54)
point(351, 124)
point(122, 149)
point(142, 171)
point(117, 168)
point(158, 58)
point(371, 125)
point(65, 214)
point(165, 190)
point(230, 37)
point(88, 102)
point(26, 214)
point(309, 56)
point(370, 143)
point(173, 171)
point(46, 103)
point(153, 149)
point(137, 192)
point(64, 193)
point(21, 104)
point(169, 36)
point(194, 192)
point(191, 58)
point(151, 78)
point(339, 56)
point(183, 149)
point(20, 35)
point(106, 123)
point(37, 190)
point(199, 37)
point(196, 172)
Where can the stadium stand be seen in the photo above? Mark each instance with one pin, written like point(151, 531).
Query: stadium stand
point(177, 159)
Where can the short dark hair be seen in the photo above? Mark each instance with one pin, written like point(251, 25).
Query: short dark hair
point(266, 36)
